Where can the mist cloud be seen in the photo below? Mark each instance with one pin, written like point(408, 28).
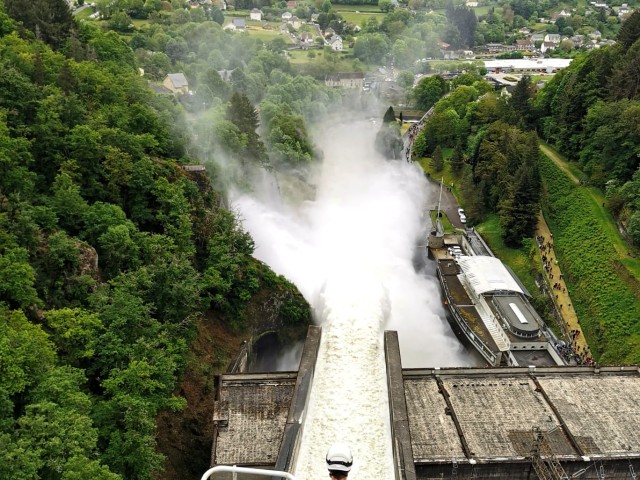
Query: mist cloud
point(363, 223)
point(350, 250)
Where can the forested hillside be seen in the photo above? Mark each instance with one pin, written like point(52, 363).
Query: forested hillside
point(592, 112)
point(110, 252)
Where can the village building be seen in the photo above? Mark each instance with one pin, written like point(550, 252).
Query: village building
point(345, 80)
point(522, 66)
point(225, 74)
point(336, 43)
point(306, 39)
point(236, 25)
point(255, 15)
point(537, 37)
point(295, 22)
point(176, 83)
point(286, 16)
point(524, 45)
point(546, 46)
point(553, 38)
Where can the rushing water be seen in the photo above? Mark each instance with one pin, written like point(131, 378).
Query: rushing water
point(351, 252)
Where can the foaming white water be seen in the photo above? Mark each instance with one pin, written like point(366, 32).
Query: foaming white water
point(350, 253)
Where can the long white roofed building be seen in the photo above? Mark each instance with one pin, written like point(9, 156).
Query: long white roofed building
point(523, 65)
point(490, 308)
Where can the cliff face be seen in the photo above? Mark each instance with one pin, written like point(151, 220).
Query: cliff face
point(185, 437)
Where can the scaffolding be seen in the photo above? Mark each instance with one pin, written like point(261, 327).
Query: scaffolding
point(544, 461)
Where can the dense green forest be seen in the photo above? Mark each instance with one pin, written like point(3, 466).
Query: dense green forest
point(110, 252)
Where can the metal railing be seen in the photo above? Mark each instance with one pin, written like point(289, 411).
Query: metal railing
point(253, 471)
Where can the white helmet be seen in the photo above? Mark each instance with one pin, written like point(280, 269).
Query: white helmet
point(339, 457)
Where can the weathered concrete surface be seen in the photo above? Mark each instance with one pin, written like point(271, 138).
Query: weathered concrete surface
point(589, 417)
point(400, 430)
point(250, 413)
point(293, 429)
point(453, 422)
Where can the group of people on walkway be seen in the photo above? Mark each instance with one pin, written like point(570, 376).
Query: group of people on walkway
point(411, 135)
point(574, 350)
point(574, 354)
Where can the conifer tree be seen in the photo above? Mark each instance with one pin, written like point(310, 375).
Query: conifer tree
point(520, 213)
point(389, 116)
point(244, 116)
point(630, 30)
point(457, 158)
point(51, 20)
point(438, 160)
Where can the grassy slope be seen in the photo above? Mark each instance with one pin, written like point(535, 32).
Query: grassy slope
point(446, 176)
point(605, 294)
point(603, 216)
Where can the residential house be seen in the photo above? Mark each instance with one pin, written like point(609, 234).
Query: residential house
point(176, 82)
point(590, 44)
point(524, 31)
point(335, 42)
point(537, 37)
point(345, 80)
point(595, 35)
point(623, 10)
point(524, 45)
point(306, 39)
point(295, 22)
point(236, 25)
point(329, 32)
point(547, 46)
point(256, 15)
point(314, 17)
point(471, 3)
point(498, 47)
point(553, 38)
point(578, 40)
point(286, 16)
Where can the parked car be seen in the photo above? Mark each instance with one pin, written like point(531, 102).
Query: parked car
point(463, 218)
point(460, 211)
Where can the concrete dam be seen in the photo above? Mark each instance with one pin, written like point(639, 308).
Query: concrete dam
point(510, 422)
